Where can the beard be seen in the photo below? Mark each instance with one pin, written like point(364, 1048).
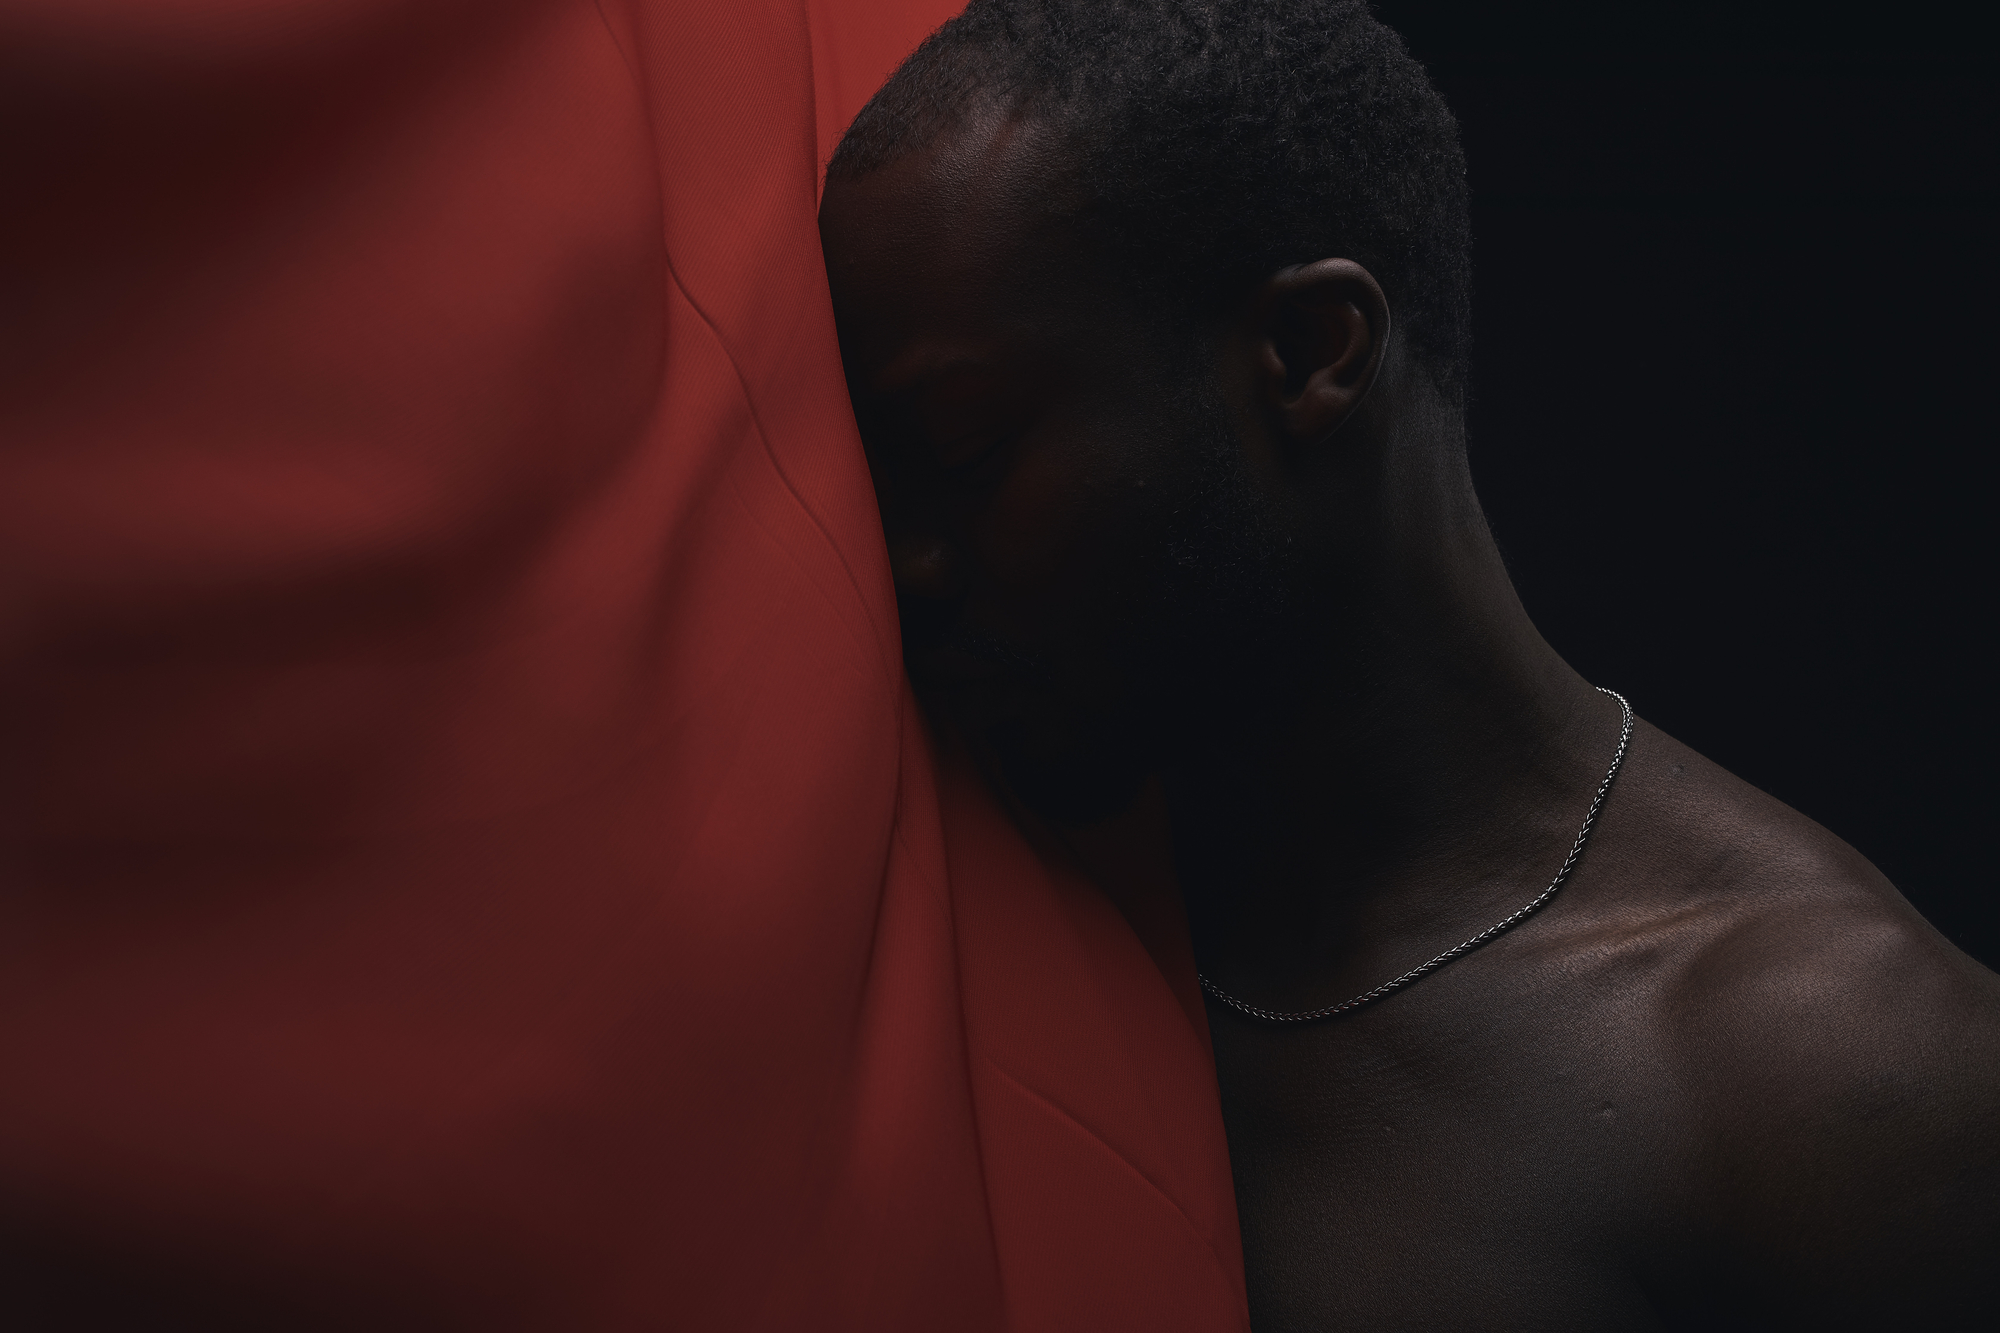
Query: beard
point(1211, 639)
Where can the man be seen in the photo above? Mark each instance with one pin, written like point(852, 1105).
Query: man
point(1155, 316)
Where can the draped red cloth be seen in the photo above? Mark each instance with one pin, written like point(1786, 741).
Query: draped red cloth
point(468, 855)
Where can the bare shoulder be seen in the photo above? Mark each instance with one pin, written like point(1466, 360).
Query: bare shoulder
point(1839, 1059)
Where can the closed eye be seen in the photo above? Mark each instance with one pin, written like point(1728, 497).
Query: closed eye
point(971, 458)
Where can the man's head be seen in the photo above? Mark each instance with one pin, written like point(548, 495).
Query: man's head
point(1114, 281)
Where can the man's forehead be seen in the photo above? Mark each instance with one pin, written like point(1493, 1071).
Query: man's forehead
point(993, 174)
point(954, 240)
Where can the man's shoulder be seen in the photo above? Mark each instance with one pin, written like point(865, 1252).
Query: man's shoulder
point(1788, 956)
point(1839, 1059)
point(1772, 918)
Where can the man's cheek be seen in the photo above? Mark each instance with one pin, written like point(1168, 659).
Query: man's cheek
point(1054, 515)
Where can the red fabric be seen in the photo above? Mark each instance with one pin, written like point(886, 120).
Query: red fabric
point(468, 857)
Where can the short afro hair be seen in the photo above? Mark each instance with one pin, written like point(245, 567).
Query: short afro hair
point(1217, 141)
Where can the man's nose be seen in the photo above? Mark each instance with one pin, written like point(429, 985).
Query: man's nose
point(925, 565)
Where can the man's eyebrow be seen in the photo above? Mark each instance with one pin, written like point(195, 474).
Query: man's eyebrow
point(909, 376)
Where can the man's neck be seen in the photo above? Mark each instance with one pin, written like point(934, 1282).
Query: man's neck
point(1392, 807)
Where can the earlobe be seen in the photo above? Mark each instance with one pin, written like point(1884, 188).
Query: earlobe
point(1324, 333)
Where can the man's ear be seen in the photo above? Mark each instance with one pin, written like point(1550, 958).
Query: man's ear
point(1321, 332)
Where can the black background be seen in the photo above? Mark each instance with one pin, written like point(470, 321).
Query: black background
point(1733, 387)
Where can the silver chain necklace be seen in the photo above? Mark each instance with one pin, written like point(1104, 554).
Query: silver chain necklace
point(1458, 950)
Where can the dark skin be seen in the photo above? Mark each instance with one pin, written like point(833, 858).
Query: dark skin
point(1728, 1078)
